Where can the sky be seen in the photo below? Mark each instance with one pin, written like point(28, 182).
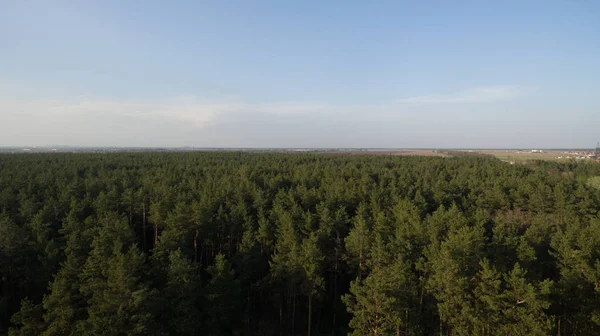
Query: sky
point(303, 74)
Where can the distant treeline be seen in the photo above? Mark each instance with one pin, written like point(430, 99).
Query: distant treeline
point(305, 244)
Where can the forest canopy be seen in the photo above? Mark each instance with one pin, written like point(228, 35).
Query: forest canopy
point(292, 244)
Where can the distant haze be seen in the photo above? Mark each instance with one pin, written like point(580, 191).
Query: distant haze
point(504, 74)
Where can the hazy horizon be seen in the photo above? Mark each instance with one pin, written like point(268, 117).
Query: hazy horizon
point(50, 147)
point(507, 75)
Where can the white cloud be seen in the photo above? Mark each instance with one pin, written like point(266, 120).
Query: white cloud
point(186, 120)
point(200, 112)
point(291, 108)
point(476, 95)
point(192, 111)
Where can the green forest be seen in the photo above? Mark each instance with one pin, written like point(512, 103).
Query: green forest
point(239, 243)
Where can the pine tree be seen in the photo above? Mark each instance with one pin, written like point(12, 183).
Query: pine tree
point(452, 268)
point(15, 259)
point(372, 301)
point(311, 261)
point(112, 283)
point(221, 295)
point(576, 250)
point(264, 234)
point(119, 299)
point(64, 305)
point(510, 305)
point(29, 320)
point(358, 244)
point(285, 265)
point(180, 298)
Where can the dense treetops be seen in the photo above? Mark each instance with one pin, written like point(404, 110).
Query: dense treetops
point(281, 244)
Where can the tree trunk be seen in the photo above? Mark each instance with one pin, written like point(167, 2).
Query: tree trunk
point(202, 256)
point(421, 298)
point(360, 263)
point(407, 322)
point(196, 247)
point(294, 313)
point(335, 294)
point(155, 234)
point(144, 226)
point(248, 322)
point(376, 329)
point(281, 316)
point(309, 313)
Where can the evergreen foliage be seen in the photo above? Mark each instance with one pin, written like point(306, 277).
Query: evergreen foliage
point(238, 243)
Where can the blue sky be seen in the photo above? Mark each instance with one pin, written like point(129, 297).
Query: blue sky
point(300, 74)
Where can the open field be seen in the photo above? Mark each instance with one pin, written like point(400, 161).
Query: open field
point(550, 155)
point(520, 156)
point(367, 151)
point(509, 155)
